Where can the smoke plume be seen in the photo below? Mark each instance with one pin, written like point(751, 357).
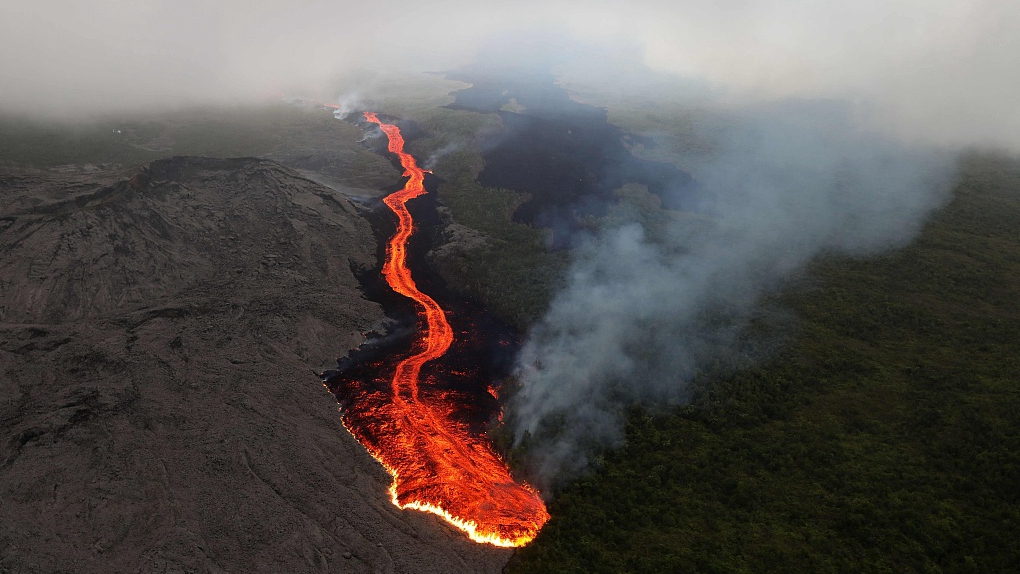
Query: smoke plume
point(644, 309)
point(348, 103)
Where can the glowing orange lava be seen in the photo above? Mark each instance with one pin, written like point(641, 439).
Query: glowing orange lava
point(438, 464)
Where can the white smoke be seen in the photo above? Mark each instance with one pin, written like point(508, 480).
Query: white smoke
point(348, 103)
point(440, 153)
point(639, 318)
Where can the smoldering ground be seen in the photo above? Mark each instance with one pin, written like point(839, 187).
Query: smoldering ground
point(647, 307)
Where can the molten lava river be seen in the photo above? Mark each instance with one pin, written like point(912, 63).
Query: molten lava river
point(440, 462)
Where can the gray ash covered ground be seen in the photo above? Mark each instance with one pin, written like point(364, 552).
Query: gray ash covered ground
point(159, 411)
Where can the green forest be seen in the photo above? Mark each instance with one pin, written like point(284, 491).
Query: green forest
point(884, 436)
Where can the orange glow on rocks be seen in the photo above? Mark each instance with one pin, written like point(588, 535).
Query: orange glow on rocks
point(438, 463)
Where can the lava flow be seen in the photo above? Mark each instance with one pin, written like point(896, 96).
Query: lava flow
point(438, 462)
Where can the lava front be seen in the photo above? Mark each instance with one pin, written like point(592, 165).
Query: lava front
point(439, 463)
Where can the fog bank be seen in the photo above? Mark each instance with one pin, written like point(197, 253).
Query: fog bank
point(939, 69)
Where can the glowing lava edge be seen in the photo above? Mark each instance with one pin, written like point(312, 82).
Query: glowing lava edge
point(438, 464)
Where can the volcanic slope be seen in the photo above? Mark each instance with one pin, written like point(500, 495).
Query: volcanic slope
point(158, 337)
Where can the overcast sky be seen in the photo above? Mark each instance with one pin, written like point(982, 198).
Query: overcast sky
point(940, 69)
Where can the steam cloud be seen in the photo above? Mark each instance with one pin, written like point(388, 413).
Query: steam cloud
point(639, 316)
point(348, 103)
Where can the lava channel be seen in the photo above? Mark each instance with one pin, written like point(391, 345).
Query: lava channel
point(439, 464)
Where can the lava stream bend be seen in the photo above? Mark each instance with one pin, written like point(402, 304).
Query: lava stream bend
point(438, 464)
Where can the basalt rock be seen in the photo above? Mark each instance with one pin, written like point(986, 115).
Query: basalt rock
point(160, 332)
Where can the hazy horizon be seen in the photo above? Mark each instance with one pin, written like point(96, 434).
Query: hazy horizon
point(939, 71)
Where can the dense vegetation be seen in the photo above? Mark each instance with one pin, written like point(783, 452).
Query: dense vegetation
point(885, 437)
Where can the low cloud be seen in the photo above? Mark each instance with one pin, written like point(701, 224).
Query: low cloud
point(939, 70)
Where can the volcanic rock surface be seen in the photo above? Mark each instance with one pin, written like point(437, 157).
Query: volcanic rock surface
point(159, 411)
point(563, 153)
